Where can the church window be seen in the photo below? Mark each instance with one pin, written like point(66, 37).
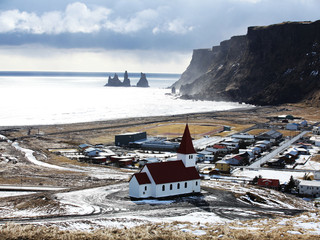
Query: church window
point(163, 187)
point(170, 186)
point(178, 186)
point(185, 185)
point(196, 183)
point(145, 188)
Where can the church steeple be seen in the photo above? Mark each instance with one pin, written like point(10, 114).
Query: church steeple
point(186, 146)
point(186, 151)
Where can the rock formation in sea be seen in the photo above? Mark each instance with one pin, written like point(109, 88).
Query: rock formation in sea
point(269, 65)
point(115, 81)
point(126, 80)
point(143, 82)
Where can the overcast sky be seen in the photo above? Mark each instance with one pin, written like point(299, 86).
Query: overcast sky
point(133, 35)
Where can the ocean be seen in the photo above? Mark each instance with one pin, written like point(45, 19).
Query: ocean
point(40, 98)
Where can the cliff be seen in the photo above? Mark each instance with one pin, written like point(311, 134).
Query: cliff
point(268, 66)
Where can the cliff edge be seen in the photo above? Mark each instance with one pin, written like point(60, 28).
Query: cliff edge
point(270, 65)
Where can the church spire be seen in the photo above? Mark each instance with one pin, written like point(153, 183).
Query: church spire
point(186, 146)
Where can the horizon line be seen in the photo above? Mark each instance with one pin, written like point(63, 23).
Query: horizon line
point(71, 73)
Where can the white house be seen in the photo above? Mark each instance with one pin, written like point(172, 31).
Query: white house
point(244, 136)
point(316, 130)
point(316, 140)
point(171, 178)
point(310, 188)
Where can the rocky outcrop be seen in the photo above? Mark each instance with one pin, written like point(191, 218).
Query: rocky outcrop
point(270, 65)
point(115, 81)
point(126, 80)
point(143, 82)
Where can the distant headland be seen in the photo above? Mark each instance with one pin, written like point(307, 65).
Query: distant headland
point(116, 82)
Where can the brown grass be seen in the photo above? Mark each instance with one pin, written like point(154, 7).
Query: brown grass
point(285, 133)
point(316, 158)
point(289, 133)
point(257, 229)
point(197, 128)
point(28, 232)
point(257, 131)
point(176, 129)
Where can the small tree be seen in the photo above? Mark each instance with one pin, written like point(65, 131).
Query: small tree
point(290, 185)
point(255, 180)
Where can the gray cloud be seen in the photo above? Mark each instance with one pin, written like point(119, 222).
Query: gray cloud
point(142, 24)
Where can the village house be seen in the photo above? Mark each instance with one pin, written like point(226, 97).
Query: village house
point(309, 188)
point(269, 183)
point(126, 138)
point(315, 140)
point(244, 137)
point(272, 136)
point(293, 126)
point(171, 178)
point(218, 148)
point(83, 147)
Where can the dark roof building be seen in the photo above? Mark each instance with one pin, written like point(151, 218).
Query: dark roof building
point(126, 138)
point(271, 135)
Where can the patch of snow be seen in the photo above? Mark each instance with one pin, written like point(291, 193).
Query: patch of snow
point(199, 232)
point(12, 193)
point(283, 222)
point(289, 70)
point(153, 202)
point(283, 176)
point(314, 73)
point(294, 232)
point(29, 155)
point(201, 217)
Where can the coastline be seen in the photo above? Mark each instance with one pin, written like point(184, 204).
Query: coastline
point(95, 132)
point(144, 119)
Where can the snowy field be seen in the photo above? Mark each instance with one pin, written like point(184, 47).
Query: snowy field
point(101, 207)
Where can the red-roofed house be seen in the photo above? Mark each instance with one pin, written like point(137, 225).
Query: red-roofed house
point(269, 183)
point(163, 179)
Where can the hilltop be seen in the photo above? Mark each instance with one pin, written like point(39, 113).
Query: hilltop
point(270, 65)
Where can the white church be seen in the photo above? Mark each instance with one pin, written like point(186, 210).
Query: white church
point(164, 179)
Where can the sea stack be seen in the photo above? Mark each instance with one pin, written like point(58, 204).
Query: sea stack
point(114, 82)
point(143, 82)
point(126, 80)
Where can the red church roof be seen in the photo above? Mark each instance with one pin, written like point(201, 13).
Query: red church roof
point(142, 178)
point(172, 171)
point(186, 146)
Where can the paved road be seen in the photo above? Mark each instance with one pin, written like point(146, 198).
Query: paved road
point(275, 152)
point(29, 188)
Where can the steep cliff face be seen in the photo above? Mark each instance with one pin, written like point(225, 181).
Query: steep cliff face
point(268, 66)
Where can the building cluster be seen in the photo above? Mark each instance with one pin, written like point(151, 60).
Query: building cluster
point(239, 150)
point(163, 174)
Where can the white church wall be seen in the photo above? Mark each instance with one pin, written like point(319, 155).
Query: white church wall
point(189, 160)
point(177, 188)
point(139, 191)
point(134, 188)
